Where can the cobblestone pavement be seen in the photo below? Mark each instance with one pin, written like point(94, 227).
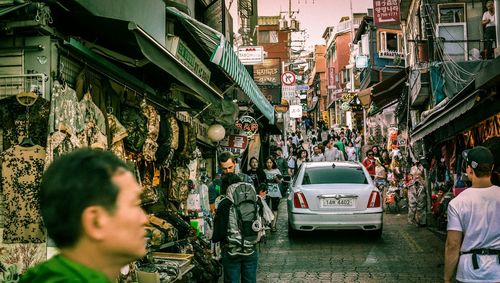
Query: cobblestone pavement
point(404, 254)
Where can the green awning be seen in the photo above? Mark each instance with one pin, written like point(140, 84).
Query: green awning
point(222, 54)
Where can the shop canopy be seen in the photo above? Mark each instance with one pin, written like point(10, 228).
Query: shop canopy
point(136, 48)
point(444, 116)
point(384, 93)
point(222, 54)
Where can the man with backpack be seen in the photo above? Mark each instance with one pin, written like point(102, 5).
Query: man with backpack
point(238, 226)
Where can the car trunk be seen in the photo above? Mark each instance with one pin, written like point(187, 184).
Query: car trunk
point(337, 197)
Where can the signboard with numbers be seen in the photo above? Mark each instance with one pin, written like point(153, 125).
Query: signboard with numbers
point(386, 12)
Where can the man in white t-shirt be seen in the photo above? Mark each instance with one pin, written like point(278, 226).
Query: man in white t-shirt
point(489, 24)
point(473, 241)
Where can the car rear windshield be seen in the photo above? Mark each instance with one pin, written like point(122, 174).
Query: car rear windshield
point(330, 175)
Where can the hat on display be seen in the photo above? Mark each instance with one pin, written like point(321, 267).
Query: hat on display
point(479, 155)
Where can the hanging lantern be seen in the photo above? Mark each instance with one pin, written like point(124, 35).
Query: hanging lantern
point(216, 132)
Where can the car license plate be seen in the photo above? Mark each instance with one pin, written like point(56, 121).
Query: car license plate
point(333, 202)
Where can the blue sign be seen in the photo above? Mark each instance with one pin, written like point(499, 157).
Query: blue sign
point(302, 87)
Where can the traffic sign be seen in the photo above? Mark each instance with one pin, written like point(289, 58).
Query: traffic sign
point(288, 78)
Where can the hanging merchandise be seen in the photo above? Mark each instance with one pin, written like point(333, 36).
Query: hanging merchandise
point(392, 138)
point(168, 140)
point(22, 169)
point(153, 126)
point(65, 122)
point(118, 133)
point(14, 120)
point(136, 124)
point(94, 130)
point(178, 189)
point(149, 193)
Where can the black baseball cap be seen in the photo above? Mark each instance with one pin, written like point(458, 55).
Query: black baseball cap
point(479, 155)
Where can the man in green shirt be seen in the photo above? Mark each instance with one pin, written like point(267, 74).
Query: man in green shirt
point(90, 204)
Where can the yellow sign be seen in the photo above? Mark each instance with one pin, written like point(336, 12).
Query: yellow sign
point(325, 118)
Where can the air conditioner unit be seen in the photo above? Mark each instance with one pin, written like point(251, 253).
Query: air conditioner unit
point(283, 24)
point(294, 25)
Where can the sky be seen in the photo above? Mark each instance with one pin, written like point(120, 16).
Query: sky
point(314, 15)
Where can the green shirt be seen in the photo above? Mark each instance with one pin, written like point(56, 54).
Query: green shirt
point(61, 269)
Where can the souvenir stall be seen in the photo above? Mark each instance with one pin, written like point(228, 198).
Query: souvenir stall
point(446, 170)
point(81, 105)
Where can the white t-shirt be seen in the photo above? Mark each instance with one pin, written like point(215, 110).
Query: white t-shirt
point(491, 17)
point(273, 189)
point(475, 212)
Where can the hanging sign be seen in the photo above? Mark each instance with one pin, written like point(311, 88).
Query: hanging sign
point(295, 111)
point(287, 92)
point(386, 12)
point(248, 125)
point(251, 55)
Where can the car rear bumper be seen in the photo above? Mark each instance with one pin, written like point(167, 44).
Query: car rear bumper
point(336, 221)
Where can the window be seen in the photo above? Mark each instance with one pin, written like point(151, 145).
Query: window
point(390, 44)
point(268, 36)
point(451, 13)
point(452, 28)
point(337, 175)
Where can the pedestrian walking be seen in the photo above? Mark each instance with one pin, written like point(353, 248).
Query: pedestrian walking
point(473, 240)
point(317, 154)
point(90, 204)
point(489, 23)
point(239, 263)
point(256, 173)
point(274, 179)
point(417, 201)
point(369, 163)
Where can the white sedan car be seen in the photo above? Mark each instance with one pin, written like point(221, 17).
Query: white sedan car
point(334, 196)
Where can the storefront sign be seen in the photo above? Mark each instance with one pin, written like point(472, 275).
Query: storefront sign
point(251, 55)
point(248, 125)
point(268, 72)
point(386, 12)
point(331, 76)
point(180, 50)
point(361, 61)
point(235, 141)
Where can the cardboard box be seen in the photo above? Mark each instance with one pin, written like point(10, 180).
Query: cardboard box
point(148, 277)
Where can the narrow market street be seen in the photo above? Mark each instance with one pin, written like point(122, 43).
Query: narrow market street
point(404, 254)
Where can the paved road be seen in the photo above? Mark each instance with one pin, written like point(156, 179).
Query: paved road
point(404, 254)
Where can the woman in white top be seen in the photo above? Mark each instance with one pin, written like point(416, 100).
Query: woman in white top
point(274, 178)
point(351, 152)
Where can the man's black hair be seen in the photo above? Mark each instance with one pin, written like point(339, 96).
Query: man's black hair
point(72, 183)
point(225, 156)
point(262, 188)
point(227, 180)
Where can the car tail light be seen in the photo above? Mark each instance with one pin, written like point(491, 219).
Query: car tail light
point(374, 200)
point(299, 200)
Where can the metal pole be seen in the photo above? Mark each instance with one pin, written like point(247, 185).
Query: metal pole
point(497, 16)
point(364, 125)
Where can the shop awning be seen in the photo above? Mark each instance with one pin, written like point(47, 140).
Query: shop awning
point(389, 90)
point(443, 117)
point(384, 93)
point(7, 9)
point(132, 41)
point(222, 54)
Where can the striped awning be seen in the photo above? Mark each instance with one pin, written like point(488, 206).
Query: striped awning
point(222, 54)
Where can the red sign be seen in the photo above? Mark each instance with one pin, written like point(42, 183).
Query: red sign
point(386, 12)
point(331, 76)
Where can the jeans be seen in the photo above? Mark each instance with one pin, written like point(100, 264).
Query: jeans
point(240, 268)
